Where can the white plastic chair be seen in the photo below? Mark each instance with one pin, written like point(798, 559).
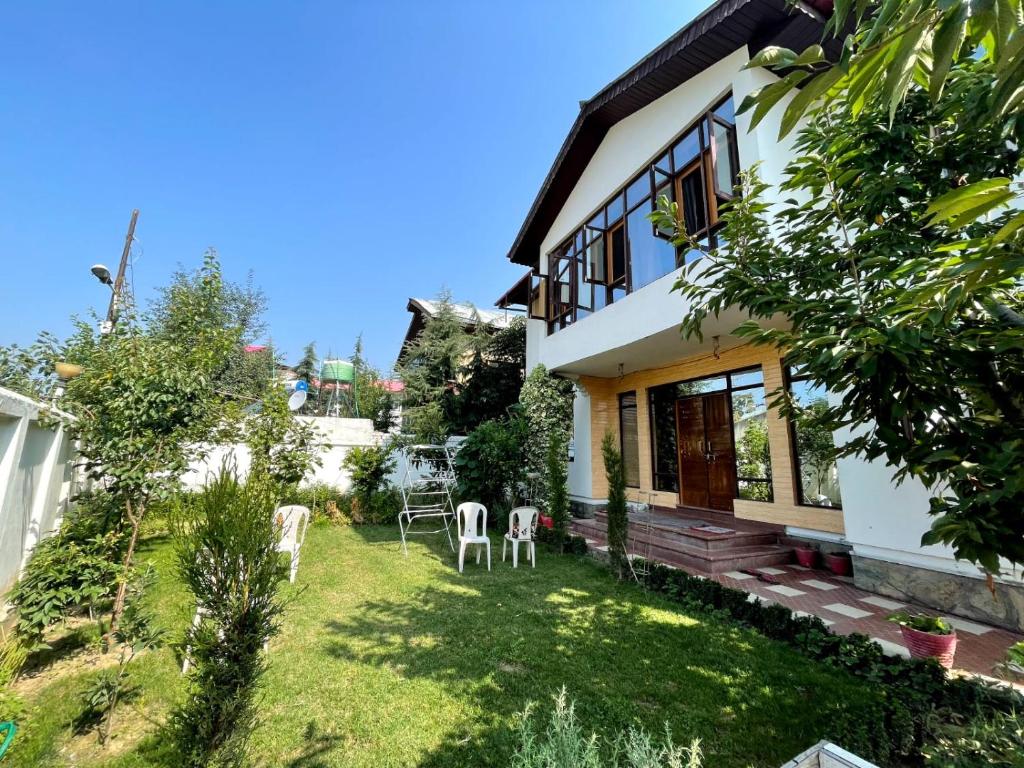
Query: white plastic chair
point(292, 521)
point(471, 519)
point(522, 526)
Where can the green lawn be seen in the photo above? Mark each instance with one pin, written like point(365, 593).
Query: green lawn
point(388, 661)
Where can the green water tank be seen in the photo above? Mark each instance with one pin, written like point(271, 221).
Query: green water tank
point(337, 370)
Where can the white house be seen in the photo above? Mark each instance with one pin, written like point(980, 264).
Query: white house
point(602, 313)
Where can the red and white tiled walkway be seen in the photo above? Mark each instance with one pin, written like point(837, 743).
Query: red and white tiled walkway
point(846, 609)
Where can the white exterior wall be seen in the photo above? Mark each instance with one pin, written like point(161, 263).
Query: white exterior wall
point(336, 438)
point(36, 480)
point(580, 466)
point(653, 312)
point(883, 521)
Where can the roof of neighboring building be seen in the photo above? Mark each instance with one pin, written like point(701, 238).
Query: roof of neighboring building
point(721, 29)
point(468, 315)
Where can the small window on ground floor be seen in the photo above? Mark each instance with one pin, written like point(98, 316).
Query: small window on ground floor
point(629, 438)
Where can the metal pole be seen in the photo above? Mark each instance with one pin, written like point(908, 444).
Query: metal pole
point(115, 299)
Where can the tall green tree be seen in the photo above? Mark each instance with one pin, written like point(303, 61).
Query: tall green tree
point(906, 304)
point(308, 370)
point(491, 381)
point(430, 367)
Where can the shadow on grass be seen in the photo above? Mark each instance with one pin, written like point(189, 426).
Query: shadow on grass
point(500, 639)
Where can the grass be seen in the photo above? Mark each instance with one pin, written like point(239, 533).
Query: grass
point(388, 661)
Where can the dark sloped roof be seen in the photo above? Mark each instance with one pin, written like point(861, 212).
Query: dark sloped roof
point(716, 33)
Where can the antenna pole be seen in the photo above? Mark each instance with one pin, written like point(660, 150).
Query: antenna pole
point(115, 299)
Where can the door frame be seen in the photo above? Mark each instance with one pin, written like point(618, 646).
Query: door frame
point(727, 393)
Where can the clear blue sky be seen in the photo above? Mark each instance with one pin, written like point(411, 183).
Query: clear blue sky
point(350, 154)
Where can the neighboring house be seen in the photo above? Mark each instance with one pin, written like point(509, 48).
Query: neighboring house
point(37, 479)
point(602, 312)
point(471, 318)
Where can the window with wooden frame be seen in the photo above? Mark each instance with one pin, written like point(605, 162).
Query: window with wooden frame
point(629, 438)
point(618, 250)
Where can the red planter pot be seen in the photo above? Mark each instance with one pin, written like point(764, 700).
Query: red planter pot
point(925, 645)
point(839, 563)
point(547, 522)
point(808, 558)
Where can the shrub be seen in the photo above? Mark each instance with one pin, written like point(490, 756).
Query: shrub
point(618, 514)
point(76, 568)
point(564, 744)
point(369, 467)
point(489, 463)
point(955, 741)
point(558, 487)
point(227, 556)
point(914, 688)
point(324, 501)
point(546, 402)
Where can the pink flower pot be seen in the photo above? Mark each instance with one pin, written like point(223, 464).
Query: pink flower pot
point(839, 563)
point(807, 557)
point(925, 645)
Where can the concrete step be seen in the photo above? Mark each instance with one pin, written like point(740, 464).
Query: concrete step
point(689, 537)
point(697, 559)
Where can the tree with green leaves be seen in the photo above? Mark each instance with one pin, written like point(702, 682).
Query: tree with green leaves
point(308, 370)
point(373, 399)
point(430, 367)
point(617, 510)
point(283, 448)
point(491, 381)
point(546, 403)
point(557, 481)
point(894, 257)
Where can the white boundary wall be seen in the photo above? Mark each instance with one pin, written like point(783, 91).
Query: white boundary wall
point(37, 479)
point(335, 438)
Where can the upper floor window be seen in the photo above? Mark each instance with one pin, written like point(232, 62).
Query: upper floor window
point(617, 250)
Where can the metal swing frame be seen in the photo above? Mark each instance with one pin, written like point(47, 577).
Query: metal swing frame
point(426, 488)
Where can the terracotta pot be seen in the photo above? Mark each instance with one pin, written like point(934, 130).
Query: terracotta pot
point(839, 563)
point(807, 557)
point(67, 371)
point(925, 645)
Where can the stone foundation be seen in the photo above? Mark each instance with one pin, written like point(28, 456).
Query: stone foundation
point(943, 592)
point(585, 509)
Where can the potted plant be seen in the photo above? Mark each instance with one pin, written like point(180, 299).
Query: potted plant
point(927, 637)
point(807, 555)
point(839, 563)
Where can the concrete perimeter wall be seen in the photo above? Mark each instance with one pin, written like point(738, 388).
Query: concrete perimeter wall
point(37, 479)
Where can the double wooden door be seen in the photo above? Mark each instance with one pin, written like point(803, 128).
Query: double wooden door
point(707, 456)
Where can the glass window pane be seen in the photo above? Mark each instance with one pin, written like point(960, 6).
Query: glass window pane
point(750, 435)
point(600, 297)
point(694, 215)
point(663, 439)
point(746, 378)
point(702, 386)
point(686, 149)
point(650, 257)
point(596, 262)
point(617, 294)
point(726, 110)
point(725, 173)
point(664, 163)
point(618, 246)
point(578, 240)
point(629, 438)
point(583, 288)
point(638, 191)
point(819, 474)
point(614, 210)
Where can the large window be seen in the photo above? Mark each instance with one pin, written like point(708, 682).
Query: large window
point(618, 250)
point(813, 447)
point(629, 438)
point(749, 429)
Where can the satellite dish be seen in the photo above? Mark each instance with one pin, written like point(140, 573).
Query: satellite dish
point(297, 399)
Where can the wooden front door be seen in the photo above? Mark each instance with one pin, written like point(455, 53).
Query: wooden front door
point(707, 457)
